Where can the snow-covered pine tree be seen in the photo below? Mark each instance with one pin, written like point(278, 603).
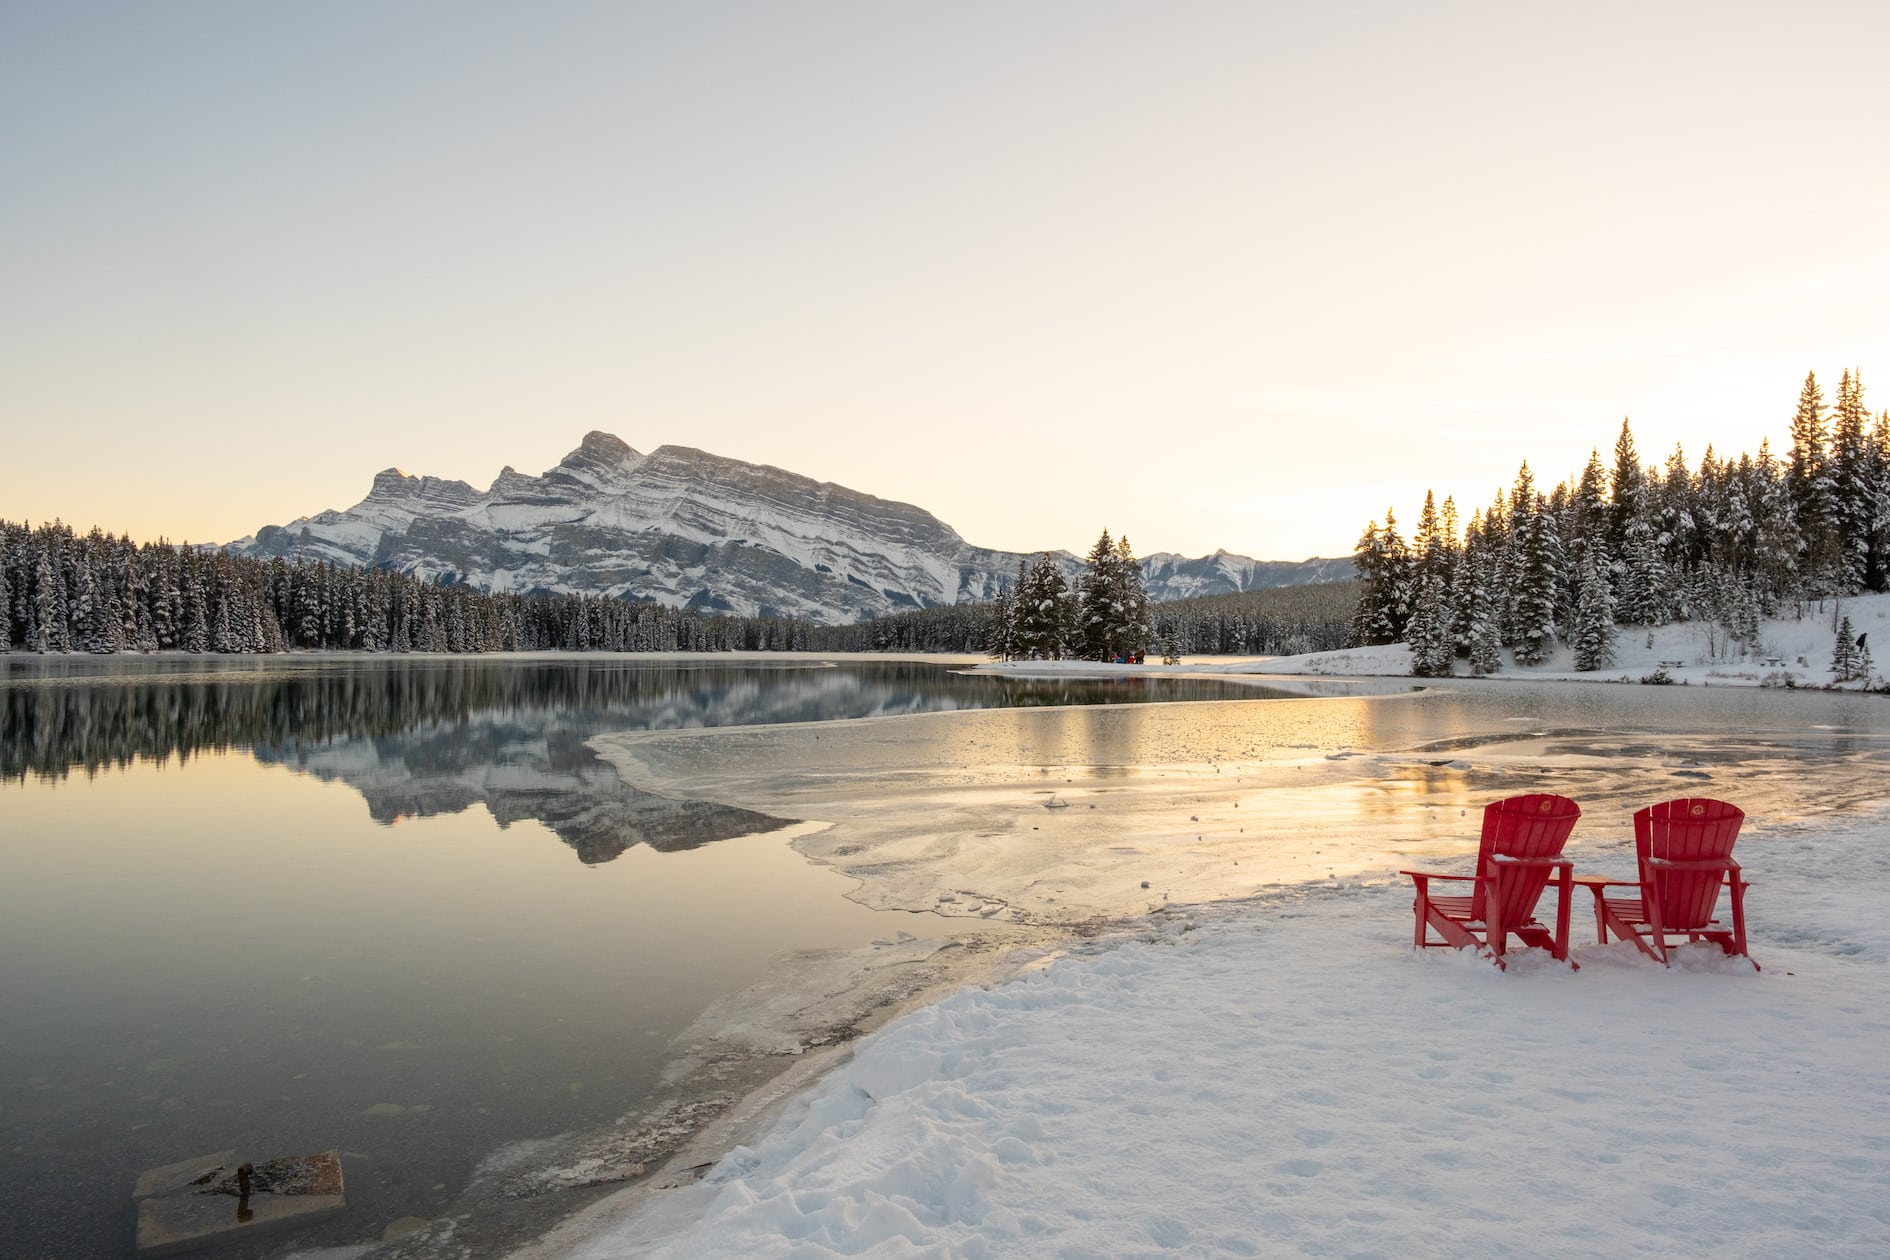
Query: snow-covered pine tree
point(1854, 491)
point(1464, 582)
point(1045, 611)
point(1000, 638)
point(1593, 636)
point(1098, 594)
point(1486, 635)
point(1877, 572)
point(1776, 541)
point(49, 598)
point(1814, 500)
point(1432, 650)
point(1131, 629)
point(1369, 619)
point(1844, 652)
point(1679, 528)
point(1383, 566)
point(1429, 547)
point(1628, 490)
point(1536, 552)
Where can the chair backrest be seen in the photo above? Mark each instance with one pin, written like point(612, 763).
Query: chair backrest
point(1534, 826)
point(1691, 829)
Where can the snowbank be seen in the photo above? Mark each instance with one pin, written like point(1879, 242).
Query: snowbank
point(1287, 1077)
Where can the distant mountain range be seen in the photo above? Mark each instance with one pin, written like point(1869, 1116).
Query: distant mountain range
point(686, 528)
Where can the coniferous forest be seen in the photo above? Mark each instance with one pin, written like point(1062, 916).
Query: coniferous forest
point(1633, 544)
point(61, 591)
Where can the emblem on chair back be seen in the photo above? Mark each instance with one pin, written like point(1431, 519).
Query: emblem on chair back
point(1687, 830)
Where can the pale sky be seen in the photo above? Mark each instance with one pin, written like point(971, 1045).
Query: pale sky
point(1214, 275)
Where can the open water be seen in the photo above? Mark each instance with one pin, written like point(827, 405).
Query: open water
point(394, 907)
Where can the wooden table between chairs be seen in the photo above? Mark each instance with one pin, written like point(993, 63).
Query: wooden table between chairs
point(1594, 884)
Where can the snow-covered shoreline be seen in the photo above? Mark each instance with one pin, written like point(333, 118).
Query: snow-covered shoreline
point(1286, 1077)
point(1274, 1071)
point(1793, 651)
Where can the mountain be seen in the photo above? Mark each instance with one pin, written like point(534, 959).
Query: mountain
point(686, 528)
point(1169, 576)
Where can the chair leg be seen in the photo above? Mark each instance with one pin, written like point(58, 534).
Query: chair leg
point(1563, 893)
point(1739, 920)
point(1495, 931)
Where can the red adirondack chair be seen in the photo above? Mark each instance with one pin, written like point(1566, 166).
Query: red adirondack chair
point(1521, 848)
point(1684, 849)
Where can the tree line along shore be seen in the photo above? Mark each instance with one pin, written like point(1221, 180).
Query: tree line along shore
point(62, 591)
point(1728, 544)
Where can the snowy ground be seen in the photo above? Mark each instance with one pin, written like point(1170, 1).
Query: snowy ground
point(1286, 1077)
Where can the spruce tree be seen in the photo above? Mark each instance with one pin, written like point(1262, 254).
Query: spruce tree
point(1131, 630)
point(1100, 592)
point(1813, 498)
point(1593, 637)
point(1844, 652)
point(1536, 552)
point(1877, 571)
point(1432, 649)
point(1854, 490)
point(1000, 639)
point(49, 599)
point(1629, 490)
point(1045, 611)
point(1383, 567)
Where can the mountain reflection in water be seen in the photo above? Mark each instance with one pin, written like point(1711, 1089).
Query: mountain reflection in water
point(427, 736)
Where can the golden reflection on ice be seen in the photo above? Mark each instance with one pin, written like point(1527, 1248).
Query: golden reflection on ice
point(1067, 815)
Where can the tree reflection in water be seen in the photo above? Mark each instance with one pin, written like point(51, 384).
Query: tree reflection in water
point(423, 736)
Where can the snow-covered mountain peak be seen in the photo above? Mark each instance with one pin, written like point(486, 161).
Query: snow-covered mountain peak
point(389, 483)
point(602, 463)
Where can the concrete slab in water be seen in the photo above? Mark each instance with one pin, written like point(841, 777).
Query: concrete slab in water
point(196, 1201)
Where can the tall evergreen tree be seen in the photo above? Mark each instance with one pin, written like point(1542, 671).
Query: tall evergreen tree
point(1132, 628)
point(1001, 639)
point(1045, 611)
point(1536, 551)
point(1629, 491)
point(1383, 566)
point(1593, 635)
point(49, 599)
point(1814, 500)
point(1854, 491)
point(1100, 609)
point(1844, 652)
point(1433, 650)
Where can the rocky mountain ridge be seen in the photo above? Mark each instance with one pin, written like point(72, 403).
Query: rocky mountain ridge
point(687, 528)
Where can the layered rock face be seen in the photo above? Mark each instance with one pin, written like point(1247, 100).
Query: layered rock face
point(687, 528)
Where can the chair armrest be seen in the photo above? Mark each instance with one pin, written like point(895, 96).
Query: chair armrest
point(1435, 875)
point(1701, 864)
point(1553, 863)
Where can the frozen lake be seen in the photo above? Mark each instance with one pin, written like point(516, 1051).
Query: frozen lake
point(392, 907)
point(252, 903)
